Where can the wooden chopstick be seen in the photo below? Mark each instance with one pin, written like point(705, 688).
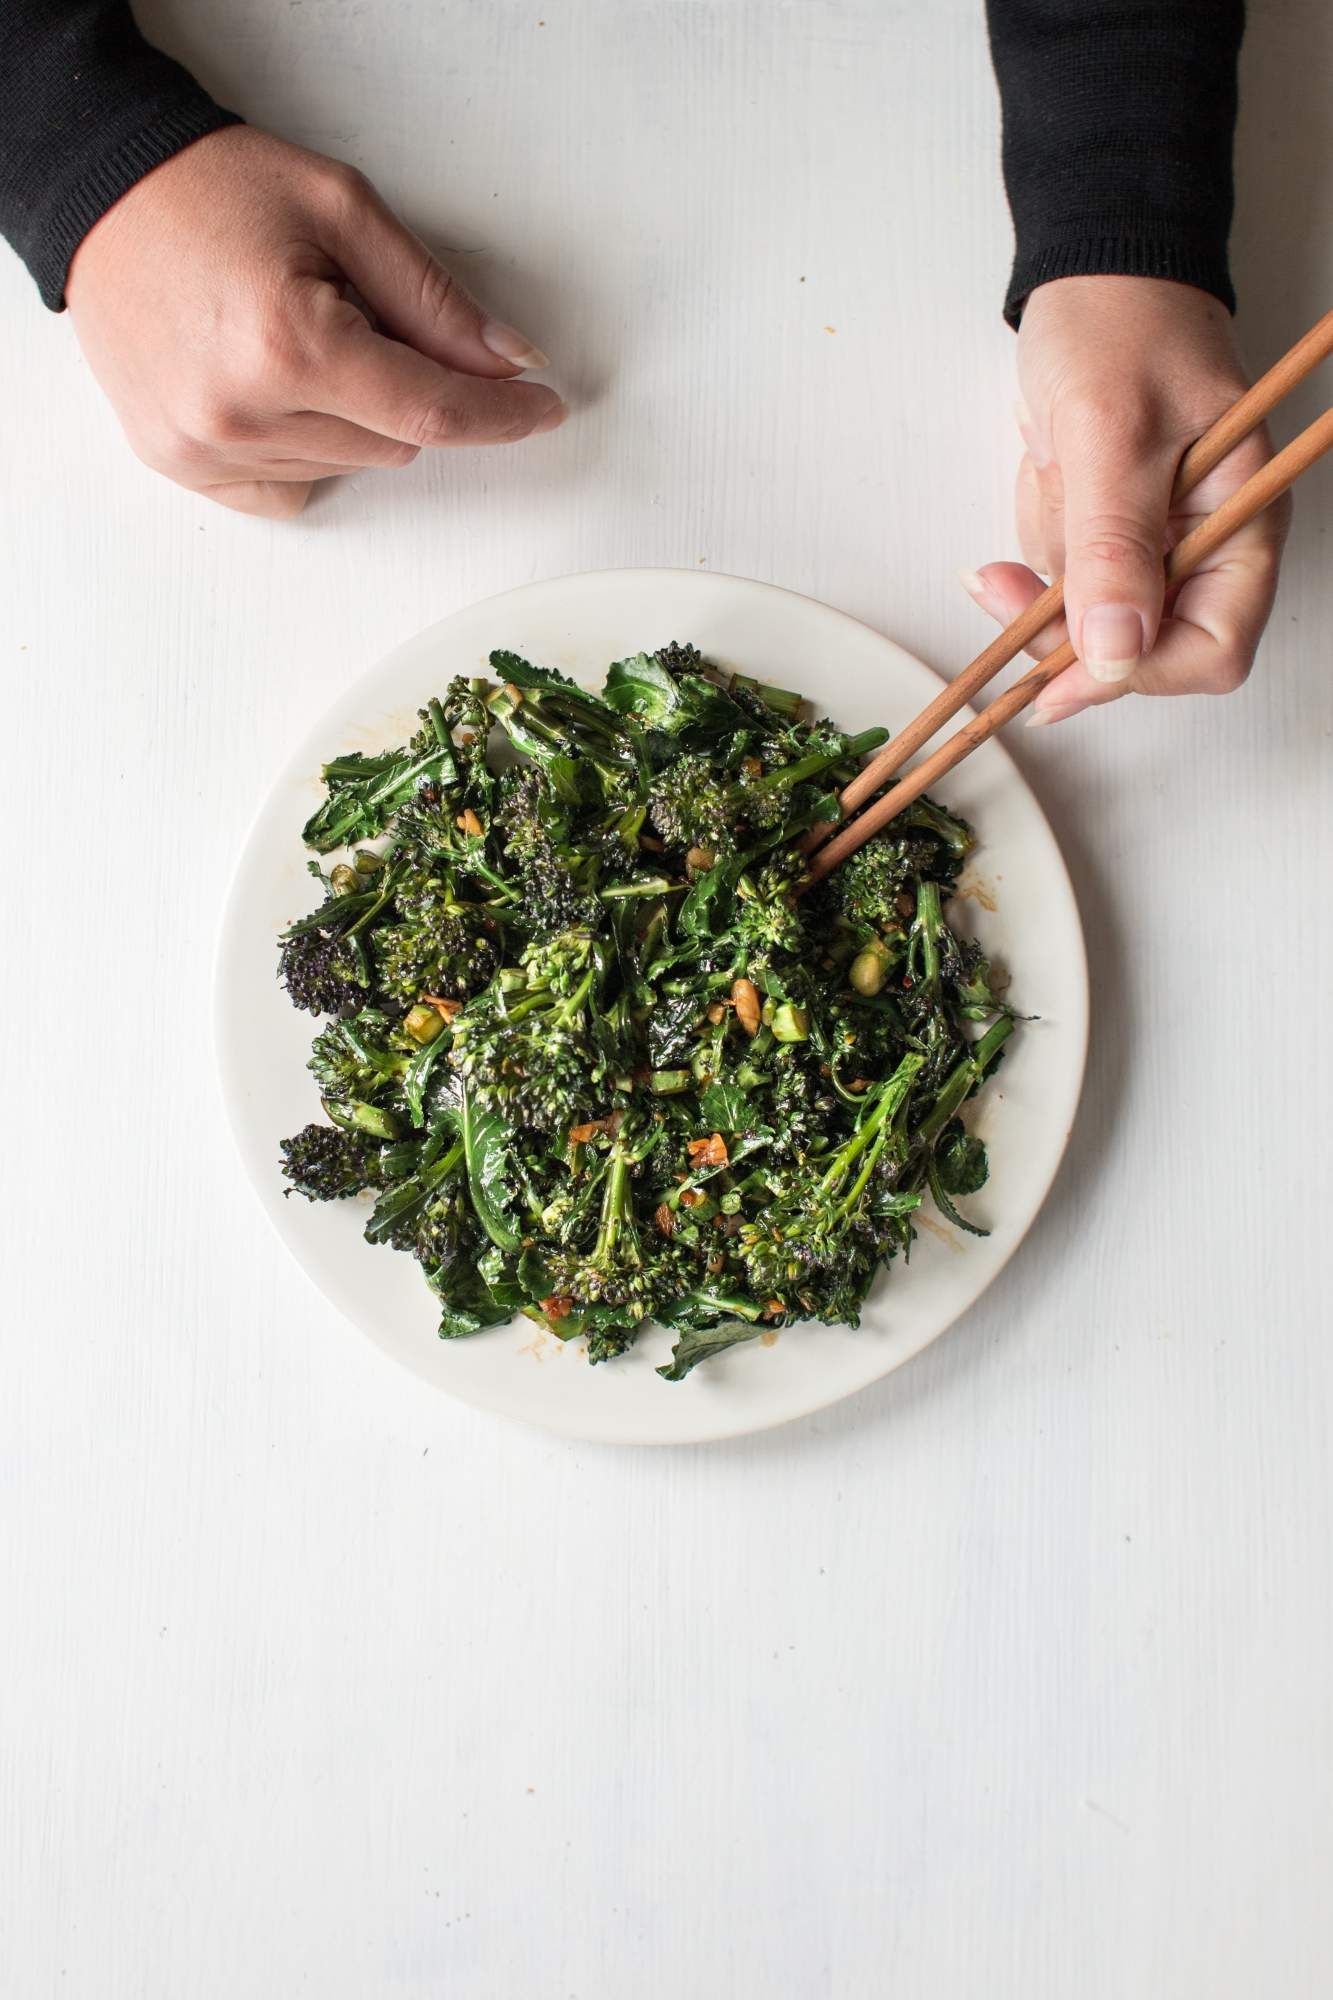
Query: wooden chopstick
point(1244, 416)
point(1258, 492)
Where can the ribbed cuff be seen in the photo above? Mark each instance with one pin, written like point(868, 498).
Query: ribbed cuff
point(59, 235)
point(1118, 256)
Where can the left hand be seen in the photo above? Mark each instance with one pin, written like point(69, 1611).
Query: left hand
point(1119, 376)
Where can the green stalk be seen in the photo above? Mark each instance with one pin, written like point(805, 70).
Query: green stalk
point(822, 760)
point(783, 701)
point(962, 1078)
point(651, 885)
point(923, 951)
point(892, 1095)
point(576, 999)
point(743, 1308)
point(385, 896)
point(614, 1205)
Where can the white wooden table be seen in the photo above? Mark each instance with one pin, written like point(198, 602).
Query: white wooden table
point(1010, 1678)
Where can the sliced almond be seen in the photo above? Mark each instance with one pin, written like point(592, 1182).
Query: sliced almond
point(745, 999)
point(710, 1152)
point(579, 1135)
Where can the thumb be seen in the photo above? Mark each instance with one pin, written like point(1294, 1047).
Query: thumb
point(415, 299)
point(1117, 497)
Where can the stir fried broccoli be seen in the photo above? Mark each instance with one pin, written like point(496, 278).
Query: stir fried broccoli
point(591, 1048)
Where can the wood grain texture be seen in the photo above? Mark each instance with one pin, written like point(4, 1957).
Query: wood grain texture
point(1010, 1678)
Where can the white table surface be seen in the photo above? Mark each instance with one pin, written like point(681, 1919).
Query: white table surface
point(1010, 1678)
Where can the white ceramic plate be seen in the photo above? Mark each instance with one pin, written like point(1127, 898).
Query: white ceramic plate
point(1016, 894)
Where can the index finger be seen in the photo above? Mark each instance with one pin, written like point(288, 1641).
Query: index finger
point(386, 387)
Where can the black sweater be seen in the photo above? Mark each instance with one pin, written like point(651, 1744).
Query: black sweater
point(1118, 117)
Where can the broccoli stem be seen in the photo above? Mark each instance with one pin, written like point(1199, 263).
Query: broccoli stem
point(890, 1097)
point(874, 1133)
point(616, 1220)
point(570, 1008)
point(822, 760)
point(647, 885)
point(391, 880)
point(963, 1078)
point(783, 701)
point(923, 949)
point(355, 1116)
point(737, 1304)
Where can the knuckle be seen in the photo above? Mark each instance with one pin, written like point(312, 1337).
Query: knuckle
point(437, 292)
point(340, 186)
point(1229, 670)
point(214, 419)
point(436, 424)
point(269, 358)
point(1116, 542)
point(428, 424)
point(1110, 419)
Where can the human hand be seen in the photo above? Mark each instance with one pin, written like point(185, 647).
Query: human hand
point(1119, 376)
point(210, 302)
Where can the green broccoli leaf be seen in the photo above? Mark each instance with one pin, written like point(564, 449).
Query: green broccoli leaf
point(698, 1344)
point(672, 704)
point(467, 1304)
point(726, 1107)
point(486, 1142)
point(958, 1166)
point(960, 1160)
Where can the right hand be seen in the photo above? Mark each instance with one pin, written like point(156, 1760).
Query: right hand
point(210, 302)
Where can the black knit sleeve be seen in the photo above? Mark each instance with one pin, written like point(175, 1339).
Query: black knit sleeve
point(87, 108)
point(1118, 122)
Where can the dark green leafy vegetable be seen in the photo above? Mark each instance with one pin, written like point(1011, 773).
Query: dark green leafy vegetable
point(592, 1050)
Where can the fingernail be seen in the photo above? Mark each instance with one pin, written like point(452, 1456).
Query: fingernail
point(511, 345)
point(1112, 641)
point(1057, 712)
point(551, 421)
point(1027, 430)
point(974, 585)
